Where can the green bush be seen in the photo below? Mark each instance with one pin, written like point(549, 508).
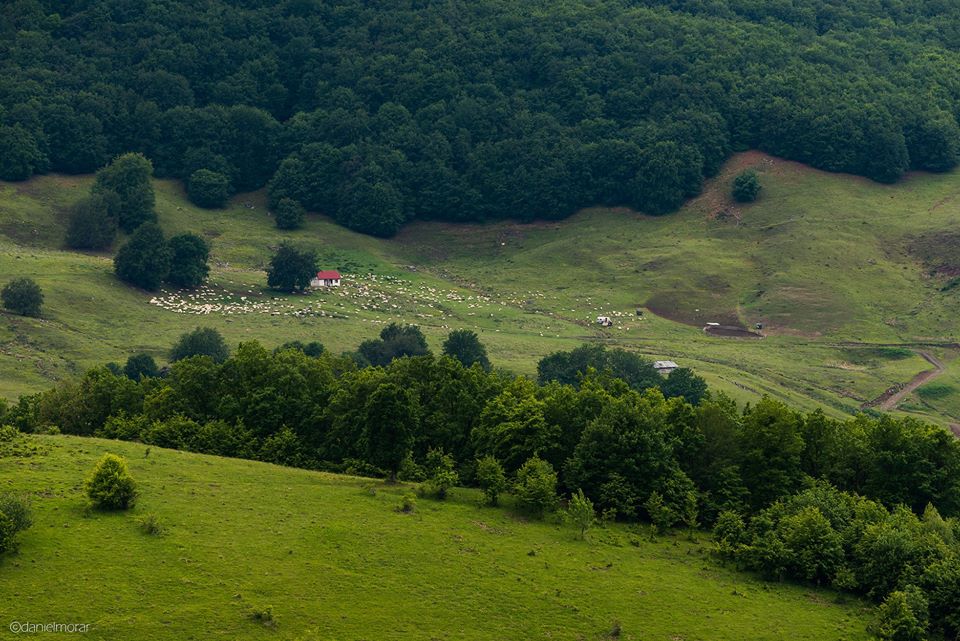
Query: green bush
point(22, 296)
point(903, 616)
point(441, 475)
point(15, 517)
point(536, 487)
point(491, 478)
point(407, 504)
point(288, 214)
point(8, 433)
point(746, 187)
point(263, 615)
point(111, 487)
point(208, 189)
point(410, 471)
point(152, 525)
point(660, 515)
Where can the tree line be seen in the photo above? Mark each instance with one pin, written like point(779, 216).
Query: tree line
point(868, 504)
point(378, 115)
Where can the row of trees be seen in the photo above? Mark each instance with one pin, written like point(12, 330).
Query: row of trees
point(376, 115)
point(790, 494)
point(822, 535)
point(618, 443)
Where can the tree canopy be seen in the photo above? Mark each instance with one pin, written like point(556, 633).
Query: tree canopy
point(376, 115)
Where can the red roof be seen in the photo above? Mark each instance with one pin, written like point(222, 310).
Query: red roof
point(330, 274)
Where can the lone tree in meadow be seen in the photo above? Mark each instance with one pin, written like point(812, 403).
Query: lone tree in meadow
point(390, 415)
point(189, 255)
point(92, 221)
point(128, 176)
point(208, 189)
point(288, 214)
point(203, 341)
point(580, 513)
point(291, 268)
point(144, 260)
point(465, 346)
point(22, 296)
point(111, 487)
point(746, 187)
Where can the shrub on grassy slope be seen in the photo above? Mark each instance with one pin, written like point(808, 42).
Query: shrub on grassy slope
point(208, 189)
point(491, 479)
point(110, 486)
point(288, 214)
point(746, 187)
point(15, 517)
point(22, 296)
point(536, 487)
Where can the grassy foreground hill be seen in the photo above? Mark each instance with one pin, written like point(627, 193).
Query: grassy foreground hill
point(334, 560)
point(851, 280)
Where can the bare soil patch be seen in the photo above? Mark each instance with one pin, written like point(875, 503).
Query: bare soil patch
point(692, 308)
point(730, 331)
point(939, 252)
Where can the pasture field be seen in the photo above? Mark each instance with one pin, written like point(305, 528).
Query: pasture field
point(849, 279)
point(331, 558)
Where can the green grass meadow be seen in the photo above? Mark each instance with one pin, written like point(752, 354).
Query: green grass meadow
point(847, 277)
point(334, 560)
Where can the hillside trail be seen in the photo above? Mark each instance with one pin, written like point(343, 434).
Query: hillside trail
point(892, 397)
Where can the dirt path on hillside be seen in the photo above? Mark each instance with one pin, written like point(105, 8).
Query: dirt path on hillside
point(893, 396)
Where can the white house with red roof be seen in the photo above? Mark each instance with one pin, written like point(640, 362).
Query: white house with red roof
point(327, 278)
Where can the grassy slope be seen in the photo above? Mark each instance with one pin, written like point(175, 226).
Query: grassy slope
point(823, 260)
point(335, 561)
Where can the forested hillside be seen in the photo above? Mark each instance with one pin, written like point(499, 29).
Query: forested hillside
point(377, 113)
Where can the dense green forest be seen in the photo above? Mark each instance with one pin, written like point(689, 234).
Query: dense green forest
point(377, 114)
point(867, 505)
